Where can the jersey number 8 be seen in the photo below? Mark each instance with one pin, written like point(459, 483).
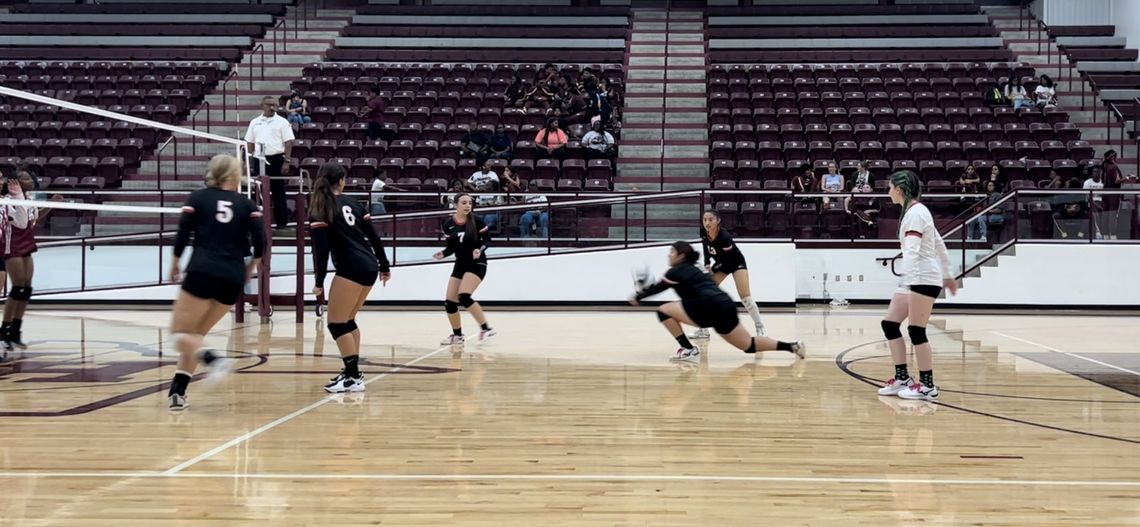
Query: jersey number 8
point(349, 217)
point(225, 212)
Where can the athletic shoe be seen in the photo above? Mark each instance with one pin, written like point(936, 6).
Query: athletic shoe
point(7, 344)
point(343, 383)
point(700, 333)
point(452, 340)
point(920, 392)
point(759, 329)
point(687, 355)
point(178, 403)
point(799, 348)
point(218, 369)
point(17, 340)
point(487, 334)
point(894, 386)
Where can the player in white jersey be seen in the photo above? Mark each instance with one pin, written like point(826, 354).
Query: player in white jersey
point(926, 271)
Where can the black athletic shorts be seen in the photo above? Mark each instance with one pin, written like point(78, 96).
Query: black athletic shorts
point(478, 269)
point(931, 291)
point(365, 279)
point(720, 268)
point(3, 265)
point(212, 288)
point(721, 316)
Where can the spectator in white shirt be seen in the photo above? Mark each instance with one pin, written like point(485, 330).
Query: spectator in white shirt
point(599, 143)
point(379, 186)
point(484, 174)
point(1046, 93)
point(1096, 182)
point(271, 136)
point(487, 187)
point(539, 215)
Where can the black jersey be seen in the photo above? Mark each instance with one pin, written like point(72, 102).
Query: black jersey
point(463, 245)
point(352, 241)
point(722, 249)
point(224, 225)
point(691, 284)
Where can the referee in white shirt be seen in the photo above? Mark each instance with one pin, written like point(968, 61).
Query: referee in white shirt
point(271, 136)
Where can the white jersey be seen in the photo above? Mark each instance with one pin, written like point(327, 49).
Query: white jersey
point(925, 260)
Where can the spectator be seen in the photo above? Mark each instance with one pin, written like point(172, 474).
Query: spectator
point(298, 109)
point(832, 182)
point(1094, 183)
point(1054, 181)
point(542, 96)
point(1074, 183)
point(483, 175)
point(539, 214)
point(500, 145)
point(863, 209)
point(1114, 178)
point(374, 113)
point(376, 201)
point(476, 144)
point(997, 177)
point(805, 183)
point(458, 186)
point(1015, 93)
point(511, 181)
point(992, 221)
point(994, 97)
point(516, 93)
point(969, 180)
point(1046, 93)
point(1071, 218)
point(270, 137)
point(599, 143)
point(487, 187)
point(550, 142)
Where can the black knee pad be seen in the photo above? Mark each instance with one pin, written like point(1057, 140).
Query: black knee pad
point(450, 307)
point(351, 325)
point(917, 334)
point(465, 300)
point(891, 329)
point(340, 329)
point(27, 293)
point(662, 316)
point(20, 293)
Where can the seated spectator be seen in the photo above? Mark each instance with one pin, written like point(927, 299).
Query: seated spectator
point(458, 186)
point(511, 181)
point(483, 175)
point(994, 97)
point(515, 94)
point(599, 143)
point(298, 110)
point(1054, 181)
point(1045, 94)
point(832, 182)
point(500, 145)
point(1071, 217)
point(969, 180)
point(613, 98)
point(539, 215)
point(864, 209)
point(997, 177)
point(992, 222)
point(805, 183)
point(550, 142)
point(1015, 93)
point(476, 144)
point(542, 96)
point(487, 187)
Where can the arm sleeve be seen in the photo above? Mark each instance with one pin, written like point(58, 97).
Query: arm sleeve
point(725, 242)
point(256, 232)
point(943, 254)
point(186, 225)
point(320, 233)
point(377, 245)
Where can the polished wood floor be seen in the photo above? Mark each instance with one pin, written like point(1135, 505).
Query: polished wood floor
point(574, 418)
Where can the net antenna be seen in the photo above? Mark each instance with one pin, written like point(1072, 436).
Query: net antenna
point(222, 144)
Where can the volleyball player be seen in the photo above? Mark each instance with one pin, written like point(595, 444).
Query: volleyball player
point(704, 304)
point(342, 227)
point(467, 239)
point(723, 259)
point(224, 225)
point(926, 270)
point(18, 259)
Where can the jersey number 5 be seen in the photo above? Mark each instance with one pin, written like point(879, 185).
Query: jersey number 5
point(225, 212)
point(349, 217)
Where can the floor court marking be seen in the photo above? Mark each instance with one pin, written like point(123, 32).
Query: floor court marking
point(284, 419)
point(1062, 352)
point(580, 477)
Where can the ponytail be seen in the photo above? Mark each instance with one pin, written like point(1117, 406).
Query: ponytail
point(221, 169)
point(322, 200)
point(686, 251)
point(910, 187)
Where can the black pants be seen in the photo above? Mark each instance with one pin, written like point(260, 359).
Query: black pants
point(280, 205)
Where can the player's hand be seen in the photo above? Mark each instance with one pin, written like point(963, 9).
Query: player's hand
point(175, 272)
point(438, 256)
point(318, 291)
point(476, 253)
point(950, 285)
point(384, 277)
point(633, 301)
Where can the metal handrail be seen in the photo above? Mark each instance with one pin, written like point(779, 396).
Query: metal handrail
point(194, 124)
point(252, 54)
point(284, 40)
point(173, 139)
point(225, 82)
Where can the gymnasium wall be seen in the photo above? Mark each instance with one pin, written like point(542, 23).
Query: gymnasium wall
point(1049, 275)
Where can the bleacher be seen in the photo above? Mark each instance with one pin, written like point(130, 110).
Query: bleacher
point(1103, 59)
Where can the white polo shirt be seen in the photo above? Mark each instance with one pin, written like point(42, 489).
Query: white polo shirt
point(269, 134)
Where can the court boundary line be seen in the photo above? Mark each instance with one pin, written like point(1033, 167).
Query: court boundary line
point(1062, 352)
point(578, 477)
point(177, 469)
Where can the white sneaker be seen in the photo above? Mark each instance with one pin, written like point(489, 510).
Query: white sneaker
point(219, 369)
point(799, 348)
point(700, 333)
point(452, 340)
point(920, 392)
point(759, 329)
point(686, 355)
point(343, 384)
point(178, 403)
point(487, 334)
point(894, 386)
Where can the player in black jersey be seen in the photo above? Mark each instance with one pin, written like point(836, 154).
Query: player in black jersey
point(224, 225)
point(467, 239)
point(723, 259)
point(342, 227)
point(703, 304)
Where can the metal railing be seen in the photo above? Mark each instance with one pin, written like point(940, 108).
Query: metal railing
point(258, 49)
point(194, 124)
point(284, 38)
point(233, 74)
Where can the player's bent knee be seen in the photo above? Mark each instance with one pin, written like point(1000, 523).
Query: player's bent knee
point(351, 325)
point(465, 300)
point(917, 334)
point(892, 330)
point(339, 329)
point(661, 316)
point(450, 307)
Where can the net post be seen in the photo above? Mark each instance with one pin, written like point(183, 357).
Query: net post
point(263, 273)
point(299, 213)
